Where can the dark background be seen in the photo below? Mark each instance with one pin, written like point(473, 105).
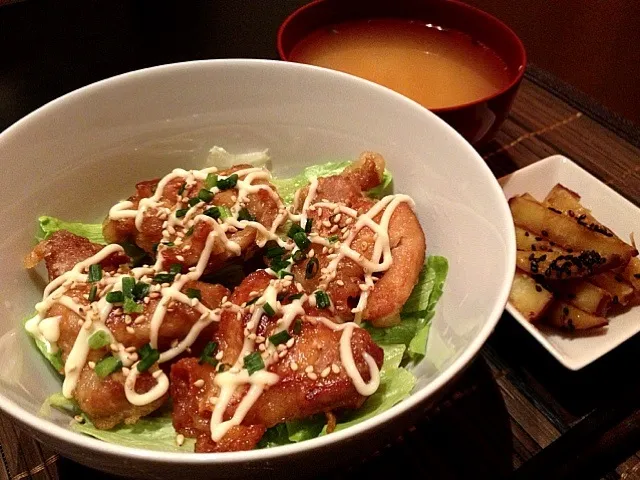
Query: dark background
point(49, 47)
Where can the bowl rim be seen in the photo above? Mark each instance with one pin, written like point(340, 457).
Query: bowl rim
point(48, 429)
point(515, 38)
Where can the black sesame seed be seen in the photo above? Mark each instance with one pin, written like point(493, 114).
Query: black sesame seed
point(533, 247)
point(538, 288)
point(526, 234)
point(636, 275)
point(544, 233)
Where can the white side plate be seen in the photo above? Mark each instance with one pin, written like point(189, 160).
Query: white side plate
point(577, 350)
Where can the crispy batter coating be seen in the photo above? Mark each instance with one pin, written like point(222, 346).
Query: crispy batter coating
point(297, 394)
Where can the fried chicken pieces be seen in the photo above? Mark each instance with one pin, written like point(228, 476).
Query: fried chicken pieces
point(310, 369)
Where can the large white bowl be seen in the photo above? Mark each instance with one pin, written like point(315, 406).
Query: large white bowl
point(76, 156)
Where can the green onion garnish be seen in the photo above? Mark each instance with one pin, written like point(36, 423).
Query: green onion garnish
point(168, 244)
point(278, 264)
point(322, 299)
point(301, 240)
point(280, 337)
point(93, 293)
point(244, 214)
point(193, 201)
point(127, 286)
point(210, 181)
point(284, 273)
point(115, 297)
point(268, 309)
point(148, 356)
point(312, 268)
point(182, 188)
point(295, 296)
point(225, 212)
point(275, 252)
point(140, 290)
point(163, 278)
point(227, 183)
point(308, 225)
point(107, 365)
point(130, 306)
point(253, 362)
point(253, 300)
point(207, 354)
point(333, 238)
point(213, 212)
point(181, 212)
point(295, 228)
point(194, 293)
point(175, 268)
point(299, 255)
point(297, 326)
point(99, 339)
point(95, 273)
point(189, 232)
point(205, 195)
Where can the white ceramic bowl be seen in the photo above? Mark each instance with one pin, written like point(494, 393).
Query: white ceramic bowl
point(76, 156)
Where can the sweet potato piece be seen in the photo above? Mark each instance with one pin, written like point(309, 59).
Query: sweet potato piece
point(583, 295)
point(567, 232)
point(530, 242)
point(562, 265)
point(621, 291)
point(529, 297)
point(568, 317)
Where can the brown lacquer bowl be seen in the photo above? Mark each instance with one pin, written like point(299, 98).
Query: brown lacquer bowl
point(478, 120)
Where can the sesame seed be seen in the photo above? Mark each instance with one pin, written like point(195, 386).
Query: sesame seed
point(334, 229)
point(326, 223)
point(198, 383)
point(179, 439)
point(140, 319)
point(335, 368)
point(290, 342)
point(325, 372)
point(251, 336)
point(127, 319)
point(91, 364)
point(312, 252)
point(309, 369)
point(274, 357)
point(319, 211)
point(281, 347)
point(180, 258)
point(126, 371)
point(131, 330)
point(293, 366)
point(246, 332)
point(262, 347)
point(251, 324)
point(340, 282)
point(219, 355)
point(130, 349)
point(79, 419)
point(312, 376)
point(213, 400)
point(282, 354)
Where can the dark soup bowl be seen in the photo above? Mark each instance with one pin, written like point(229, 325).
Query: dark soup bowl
point(461, 63)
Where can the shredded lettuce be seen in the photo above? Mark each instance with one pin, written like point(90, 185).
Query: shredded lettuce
point(49, 225)
point(408, 339)
point(287, 186)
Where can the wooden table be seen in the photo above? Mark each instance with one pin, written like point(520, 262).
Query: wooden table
point(515, 413)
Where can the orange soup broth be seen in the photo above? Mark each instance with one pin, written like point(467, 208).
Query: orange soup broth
point(436, 67)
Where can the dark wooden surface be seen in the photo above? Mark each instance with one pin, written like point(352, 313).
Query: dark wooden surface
point(516, 413)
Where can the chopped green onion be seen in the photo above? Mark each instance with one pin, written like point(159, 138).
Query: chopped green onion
point(130, 306)
point(210, 181)
point(127, 286)
point(140, 290)
point(181, 212)
point(278, 264)
point(175, 268)
point(280, 337)
point(333, 238)
point(193, 201)
point(244, 214)
point(225, 212)
point(284, 273)
point(308, 225)
point(253, 300)
point(115, 297)
point(312, 268)
point(275, 252)
point(95, 273)
point(322, 299)
point(164, 278)
point(297, 326)
point(189, 232)
point(148, 356)
point(268, 309)
point(299, 255)
point(182, 188)
point(213, 212)
point(205, 195)
point(295, 296)
point(207, 354)
point(301, 240)
point(168, 244)
point(93, 293)
point(194, 293)
point(107, 366)
point(295, 228)
point(253, 362)
point(227, 183)
point(99, 339)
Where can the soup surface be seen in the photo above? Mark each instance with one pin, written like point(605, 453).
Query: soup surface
point(431, 65)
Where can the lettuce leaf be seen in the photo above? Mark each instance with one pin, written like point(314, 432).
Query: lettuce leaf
point(287, 186)
point(49, 225)
point(55, 359)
